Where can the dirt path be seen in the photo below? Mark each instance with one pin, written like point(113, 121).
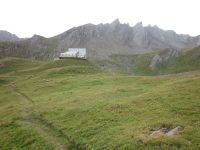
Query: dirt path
point(43, 127)
point(48, 136)
point(15, 89)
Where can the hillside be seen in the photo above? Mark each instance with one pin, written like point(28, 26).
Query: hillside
point(165, 61)
point(37, 47)
point(101, 41)
point(70, 104)
point(6, 36)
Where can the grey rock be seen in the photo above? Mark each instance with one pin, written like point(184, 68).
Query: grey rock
point(173, 131)
point(165, 132)
point(158, 133)
point(157, 59)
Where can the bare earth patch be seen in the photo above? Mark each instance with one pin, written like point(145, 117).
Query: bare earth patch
point(2, 65)
point(165, 132)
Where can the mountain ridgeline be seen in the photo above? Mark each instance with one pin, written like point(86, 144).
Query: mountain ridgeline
point(101, 41)
point(6, 36)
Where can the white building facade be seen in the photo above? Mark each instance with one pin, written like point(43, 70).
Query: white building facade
point(74, 53)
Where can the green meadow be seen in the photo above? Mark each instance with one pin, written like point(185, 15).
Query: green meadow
point(71, 104)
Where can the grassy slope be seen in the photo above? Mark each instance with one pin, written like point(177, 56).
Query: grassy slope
point(36, 47)
point(69, 104)
point(190, 60)
point(139, 64)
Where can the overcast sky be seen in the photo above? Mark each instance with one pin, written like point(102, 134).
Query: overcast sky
point(51, 17)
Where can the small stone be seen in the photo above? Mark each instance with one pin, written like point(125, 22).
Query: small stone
point(157, 133)
point(2, 65)
point(173, 131)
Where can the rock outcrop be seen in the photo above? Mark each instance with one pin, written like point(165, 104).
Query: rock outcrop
point(164, 56)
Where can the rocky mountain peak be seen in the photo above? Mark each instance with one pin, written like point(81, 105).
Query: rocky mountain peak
point(7, 36)
point(138, 25)
point(115, 22)
point(35, 36)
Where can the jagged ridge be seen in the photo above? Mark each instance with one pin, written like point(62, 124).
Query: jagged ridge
point(103, 40)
